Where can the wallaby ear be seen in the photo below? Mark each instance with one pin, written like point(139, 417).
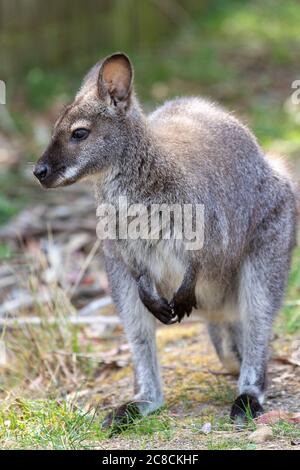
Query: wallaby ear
point(115, 80)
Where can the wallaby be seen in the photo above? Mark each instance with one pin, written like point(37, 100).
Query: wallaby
point(187, 151)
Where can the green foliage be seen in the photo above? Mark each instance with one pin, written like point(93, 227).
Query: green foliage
point(42, 87)
point(5, 251)
point(291, 310)
point(57, 425)
point(7, 209)
point(285, 429)
point(230, 444)
point(48, 424)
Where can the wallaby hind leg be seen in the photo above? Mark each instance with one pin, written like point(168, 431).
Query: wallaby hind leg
point(263, 278)
point(139, 325)
point(227, 340)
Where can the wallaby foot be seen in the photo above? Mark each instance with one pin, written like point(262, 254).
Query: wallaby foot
point(124, 415)
point(244, 408)
point(121, 417)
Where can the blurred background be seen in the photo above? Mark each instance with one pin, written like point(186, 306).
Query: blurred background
point(243, 54)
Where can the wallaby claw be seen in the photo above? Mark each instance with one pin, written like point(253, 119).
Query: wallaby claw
point(183, 303)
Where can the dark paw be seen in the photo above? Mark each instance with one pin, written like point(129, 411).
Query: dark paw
point(245, 408)
point(183, 303)
point(121, 417)
point(161, 309)
point(158, 306)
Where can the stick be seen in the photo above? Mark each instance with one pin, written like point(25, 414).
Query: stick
point(95, 305)
point(23, 302)
point(73, 319)
point(27, 301)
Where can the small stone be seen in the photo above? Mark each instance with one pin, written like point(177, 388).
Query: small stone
point(263, 433)
point(206, 428)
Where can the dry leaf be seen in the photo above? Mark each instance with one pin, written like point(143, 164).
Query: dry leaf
point(272, 417)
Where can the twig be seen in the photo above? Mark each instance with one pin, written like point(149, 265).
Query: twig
point(95, 305)
point(7, 281)
point(23, 302)
point(73, 319)
point(27, 301)
point(85, 266)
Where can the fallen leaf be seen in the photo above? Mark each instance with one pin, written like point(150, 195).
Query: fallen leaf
point(272, 417)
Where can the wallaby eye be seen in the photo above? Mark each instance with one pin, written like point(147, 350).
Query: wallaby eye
point(80, 134)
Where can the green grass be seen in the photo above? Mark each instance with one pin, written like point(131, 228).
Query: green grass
point(7, 209)
point(48, 424)
point(220, 392)
point(5, 251)
point(57, 425)
point(290, 316)
point(229, 444)
point(158, 424)
point(288, 430)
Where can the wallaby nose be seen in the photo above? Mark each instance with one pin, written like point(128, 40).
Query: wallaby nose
point(41, 171)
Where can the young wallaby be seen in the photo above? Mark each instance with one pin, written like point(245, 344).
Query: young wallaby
point(188, 151)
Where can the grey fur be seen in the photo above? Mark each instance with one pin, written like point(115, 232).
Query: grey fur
point(187, 151)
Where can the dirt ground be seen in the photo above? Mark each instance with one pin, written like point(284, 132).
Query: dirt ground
point(198, 390)
point(41, 361)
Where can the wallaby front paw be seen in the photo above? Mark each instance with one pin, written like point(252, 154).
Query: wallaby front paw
point(161, 309)
point(158, 306)
point(121, 417)
point(183, 303)
point(245, 408)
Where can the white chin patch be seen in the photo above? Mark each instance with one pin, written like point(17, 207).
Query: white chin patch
point(71, 172)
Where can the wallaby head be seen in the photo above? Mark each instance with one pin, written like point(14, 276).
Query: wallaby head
point(93, 130)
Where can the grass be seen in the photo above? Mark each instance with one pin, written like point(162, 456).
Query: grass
point(229, 444)
point(158, 424)
point(285, 429)
point(58, 424)
point(5, 251)
point(48, 424)
point(48, 367)
point(7, 209)
point(221, 392)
